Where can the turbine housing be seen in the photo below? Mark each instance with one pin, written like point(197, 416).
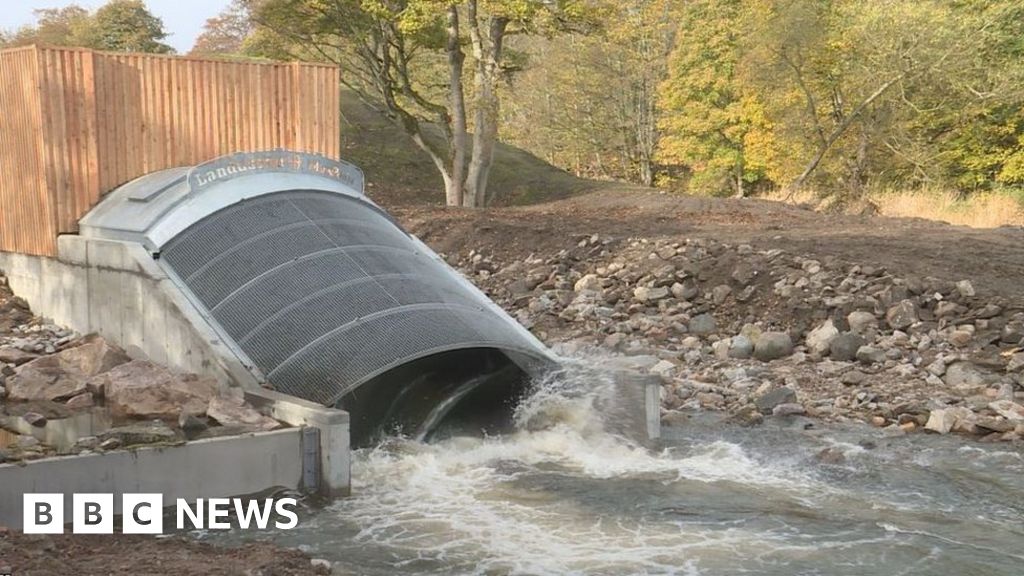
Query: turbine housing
point(320, 293)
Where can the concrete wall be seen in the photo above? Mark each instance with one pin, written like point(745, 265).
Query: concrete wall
point(117, 290)
point(217, 467)
point(335, 477)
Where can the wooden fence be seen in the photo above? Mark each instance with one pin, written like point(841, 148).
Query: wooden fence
point(75, 124)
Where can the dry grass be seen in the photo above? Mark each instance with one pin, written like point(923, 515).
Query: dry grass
point(980, 210)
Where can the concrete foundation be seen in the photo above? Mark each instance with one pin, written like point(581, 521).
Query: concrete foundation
point(217, 467)
point(115, 289)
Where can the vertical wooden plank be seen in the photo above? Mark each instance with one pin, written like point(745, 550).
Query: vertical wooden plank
point(106, 130)
point(39, 213)
point(217, 100)
point(191, 125)
point(188, 125)
point(74, 144)
point(151, 97)
point(294, 116)
point(133, 128)
point(92, 166)
point(56, 109)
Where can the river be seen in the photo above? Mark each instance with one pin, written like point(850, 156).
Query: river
point(562, 495)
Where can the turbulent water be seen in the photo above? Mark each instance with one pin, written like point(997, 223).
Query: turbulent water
point(563, 495)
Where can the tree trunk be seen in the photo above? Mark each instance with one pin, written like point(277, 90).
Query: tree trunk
point(484, 137)
point(488, 53)
point(455, 185)
point(740, 192)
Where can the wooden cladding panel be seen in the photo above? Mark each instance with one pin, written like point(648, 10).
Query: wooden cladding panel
point(27, 221)
point(89, 121)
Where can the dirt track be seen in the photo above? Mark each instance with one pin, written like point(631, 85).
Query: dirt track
point(993, 259)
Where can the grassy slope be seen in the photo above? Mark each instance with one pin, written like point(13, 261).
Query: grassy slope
point(400, 174)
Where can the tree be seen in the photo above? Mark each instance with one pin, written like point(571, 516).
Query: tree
point(127, 26)
point(709, 113)
point(66, 26)
point(849, 83)
point(227, 32)
point(423, 61)
point(587, 101)
point(980, 141)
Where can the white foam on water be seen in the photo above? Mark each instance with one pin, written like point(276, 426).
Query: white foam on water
point(566, 494)
point(888, 527)
point(462, 502)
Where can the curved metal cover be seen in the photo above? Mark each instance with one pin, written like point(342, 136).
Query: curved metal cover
point(323, 291)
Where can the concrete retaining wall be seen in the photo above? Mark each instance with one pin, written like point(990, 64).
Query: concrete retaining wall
point(117, 290)
point(218, 467)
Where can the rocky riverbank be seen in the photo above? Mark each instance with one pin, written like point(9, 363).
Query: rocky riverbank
point(763, 333)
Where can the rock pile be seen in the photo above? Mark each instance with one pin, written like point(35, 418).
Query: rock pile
point(729, 327)
point(48, 375)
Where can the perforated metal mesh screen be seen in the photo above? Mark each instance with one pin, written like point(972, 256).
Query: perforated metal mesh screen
point(324, 292)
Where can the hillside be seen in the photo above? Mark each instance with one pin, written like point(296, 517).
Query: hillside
point(400, 174)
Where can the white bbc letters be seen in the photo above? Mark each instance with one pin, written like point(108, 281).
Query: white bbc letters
point(142, 513)
point(43, 514)
point(92, 514)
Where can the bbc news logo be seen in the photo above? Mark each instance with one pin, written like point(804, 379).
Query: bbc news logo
point(144, 514)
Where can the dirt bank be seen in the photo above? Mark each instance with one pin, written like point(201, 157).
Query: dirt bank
point(994, 259)
point(764, 309)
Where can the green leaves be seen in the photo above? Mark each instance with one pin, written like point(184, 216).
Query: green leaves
point(127, 26)
point(119, 25)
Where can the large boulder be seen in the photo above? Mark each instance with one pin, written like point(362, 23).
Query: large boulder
point(142, 389)
point(819, 339)
point(15, 356)
point(767, 403)
point(862, 322)
point(646, 294)
point(231, 410)
point(588, 282)
point(702, 324)
point(844, 347)
point(964, 377)
point(902, 315)
point(1008, 409)
point(64, 374)
point(945, 420)
point(772, 346)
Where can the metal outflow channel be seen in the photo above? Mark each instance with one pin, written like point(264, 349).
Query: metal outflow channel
point(315, 287)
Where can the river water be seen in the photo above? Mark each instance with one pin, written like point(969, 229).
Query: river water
point(562, 495)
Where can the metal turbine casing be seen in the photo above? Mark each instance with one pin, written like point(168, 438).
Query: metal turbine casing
point(313, 286)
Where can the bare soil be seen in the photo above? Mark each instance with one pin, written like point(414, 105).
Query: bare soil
point(992, 258)
point(130, 555)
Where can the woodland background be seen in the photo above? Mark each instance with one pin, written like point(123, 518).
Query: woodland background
point(840, 102)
